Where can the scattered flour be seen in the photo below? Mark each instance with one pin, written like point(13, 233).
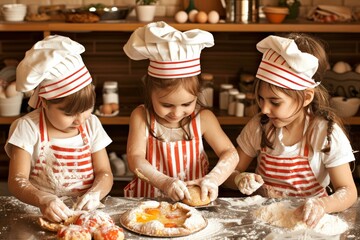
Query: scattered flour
point(281, 214)
point(248, 201)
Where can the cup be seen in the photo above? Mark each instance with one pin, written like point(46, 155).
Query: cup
point(11, 106)
point(14, 12)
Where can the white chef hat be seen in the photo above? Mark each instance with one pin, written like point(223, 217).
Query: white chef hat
point(54, 68)
point(284, 65)
point(172, 54)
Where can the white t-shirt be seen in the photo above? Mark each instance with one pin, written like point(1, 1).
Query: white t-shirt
point(340, 153)
point(24, 133)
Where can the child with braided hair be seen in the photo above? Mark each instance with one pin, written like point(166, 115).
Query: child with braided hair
point(299, 142)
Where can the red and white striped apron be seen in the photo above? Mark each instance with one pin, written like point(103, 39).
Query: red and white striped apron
point(185, 160)
point(291, 176)
point(64, 171)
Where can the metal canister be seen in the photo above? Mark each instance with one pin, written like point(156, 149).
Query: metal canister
point(230, 10)
point(246, 11)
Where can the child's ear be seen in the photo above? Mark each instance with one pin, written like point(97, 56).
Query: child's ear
point(309, 96)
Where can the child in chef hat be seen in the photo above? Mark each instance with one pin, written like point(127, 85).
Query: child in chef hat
point(299, 142)
point(58, 149)
point(165, 148)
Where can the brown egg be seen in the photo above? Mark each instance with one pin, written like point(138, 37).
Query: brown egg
point(10, 90)
point(106, 109)
point(114, 106)
point(201, 17)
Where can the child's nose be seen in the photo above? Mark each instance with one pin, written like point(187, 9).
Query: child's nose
point(265, 109)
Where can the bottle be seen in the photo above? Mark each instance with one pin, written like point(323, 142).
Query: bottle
point(110, 92)
point(240, 104)
point(207, 89)
point(117, 165)
point(224, 96)
point(232, 103)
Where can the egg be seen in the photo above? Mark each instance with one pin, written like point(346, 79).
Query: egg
point(106, 109)
point(2, 92)
point(181, 17)
point(192, 15)
point(10, 90)
point(114, 107)
point(341, 67)
point(201, 17)
point(357, 69)
point(213, 17)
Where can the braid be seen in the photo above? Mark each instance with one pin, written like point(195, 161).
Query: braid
point(329, 116)
point(264, 140)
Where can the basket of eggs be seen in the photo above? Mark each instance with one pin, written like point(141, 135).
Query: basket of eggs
point(110, 106)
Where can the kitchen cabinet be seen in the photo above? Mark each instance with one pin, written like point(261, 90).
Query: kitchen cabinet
point(228, 37)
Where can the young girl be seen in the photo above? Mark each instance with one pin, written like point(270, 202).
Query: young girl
point(165, 148)
point(58, 149)
point(299, 142)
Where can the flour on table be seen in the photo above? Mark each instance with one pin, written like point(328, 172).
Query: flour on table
point(248, 201)
point(281, 214)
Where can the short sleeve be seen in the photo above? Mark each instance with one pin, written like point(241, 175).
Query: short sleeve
point(250, 137)
point(24, 134)
point(99, 138)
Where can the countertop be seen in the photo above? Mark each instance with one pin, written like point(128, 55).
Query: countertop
point(230, 218)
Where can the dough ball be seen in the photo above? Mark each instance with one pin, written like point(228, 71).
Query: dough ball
point(195, 193)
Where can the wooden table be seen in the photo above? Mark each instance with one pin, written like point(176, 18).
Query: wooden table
point(229, 220)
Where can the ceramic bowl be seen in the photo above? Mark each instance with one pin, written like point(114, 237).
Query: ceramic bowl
point(275, 14)
point(14, 12)
point(345, 107)
point(11, 106)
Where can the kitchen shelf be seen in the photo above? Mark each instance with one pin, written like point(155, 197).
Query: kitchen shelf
point(131, 24)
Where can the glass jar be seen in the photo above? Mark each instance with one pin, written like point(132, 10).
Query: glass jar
point(240, 104)
point(224, 96)
point(110, 92)
point(231, 108)
point(207, 89)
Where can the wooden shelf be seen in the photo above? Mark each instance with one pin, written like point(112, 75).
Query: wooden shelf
point(131, 24)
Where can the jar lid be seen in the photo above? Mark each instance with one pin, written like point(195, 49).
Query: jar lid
point(240, 96)
point(110, 84)
point(233, 91)
point(226, 86)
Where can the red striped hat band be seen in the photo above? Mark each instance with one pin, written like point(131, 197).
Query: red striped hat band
point(275, 70)
point(61, 88)
point(174, 69)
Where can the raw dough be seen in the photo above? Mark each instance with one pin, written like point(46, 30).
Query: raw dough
point(163, 219)
point(73, 232)
point(195, 193)
point(281, 214)
point(109, 233)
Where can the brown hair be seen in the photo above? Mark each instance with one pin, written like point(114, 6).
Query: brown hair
point(78, 102)
point(191, 84)
point(319, 108)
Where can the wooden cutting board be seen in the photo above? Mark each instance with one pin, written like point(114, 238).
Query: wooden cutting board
point(207, 6)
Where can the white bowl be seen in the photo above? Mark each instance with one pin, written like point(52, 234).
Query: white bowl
point(345, 107)
point(14, 12)
point(11, 106)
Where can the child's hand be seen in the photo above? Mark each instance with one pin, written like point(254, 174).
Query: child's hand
point(88, 201)
point(175, 189)
point(314, 210)
point(209, 187)
point(248, 183)
point(53, 208)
